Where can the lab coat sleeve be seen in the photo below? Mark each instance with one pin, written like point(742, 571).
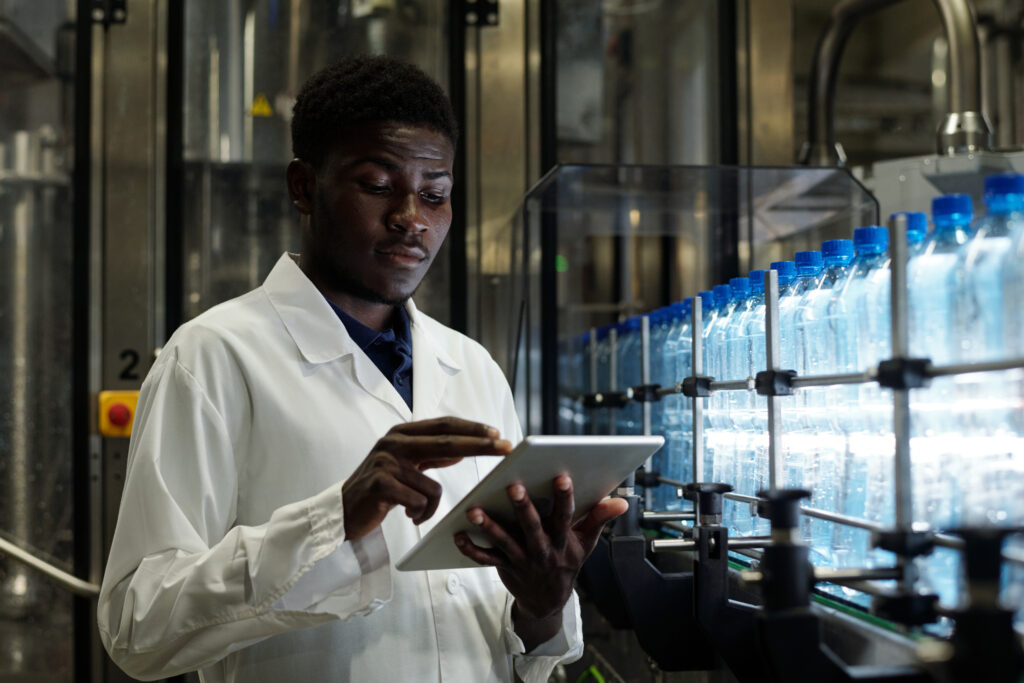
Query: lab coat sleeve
point(183, 586)
point(564, 647)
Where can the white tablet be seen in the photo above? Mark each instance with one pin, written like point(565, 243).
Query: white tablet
point(597, 464)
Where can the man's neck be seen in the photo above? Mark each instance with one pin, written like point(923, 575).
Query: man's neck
point(376, 316)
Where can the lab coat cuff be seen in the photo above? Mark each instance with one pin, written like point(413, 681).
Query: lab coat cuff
point(564, 647)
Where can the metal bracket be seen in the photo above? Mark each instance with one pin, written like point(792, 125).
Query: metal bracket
point(481, 12)
point(109, 12)
point(775, 382)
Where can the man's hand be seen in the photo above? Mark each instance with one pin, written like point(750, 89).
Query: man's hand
point(392, 474)
point(539, 561)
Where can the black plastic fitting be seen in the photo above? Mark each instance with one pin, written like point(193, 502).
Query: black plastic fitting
point(904, 373)
point(647, 479)
point(983, 556)
point(774, 382)
point(697, 387)
point(910, 609)
point(709, 496)
point(782, 507)
point(646, 393)
point(905, 543)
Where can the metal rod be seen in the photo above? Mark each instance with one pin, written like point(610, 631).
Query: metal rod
point(965, 368)
point(672, 482)
point(65, 580)
point(645, 377)
point(858, 575)
point(675, 526)
point(739, 497)
point(901, 397)
point(733, 385)
point(593, 374)
point(772, 351)
point(677, 388)
point(697, 363)
point(845, 520)
point(613, 371)
point(661, 545)
point(946, 541)
point(669, 516)
point(832, 380)
point(750, 542)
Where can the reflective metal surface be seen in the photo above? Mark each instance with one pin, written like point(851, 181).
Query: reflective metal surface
point(36, 503)
point(244, 64)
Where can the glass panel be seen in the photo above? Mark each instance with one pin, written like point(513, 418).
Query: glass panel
point(245, 62)
point(36, 137)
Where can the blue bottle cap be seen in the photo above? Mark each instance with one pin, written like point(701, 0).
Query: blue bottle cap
point(723, 294)
point(1004, 183)
point(872, 239)
point(739, 288)
point(707, 301)
point(687, 305)
point(808, 262)
point(586, 337)
point(602, 332)
point(837, 252)
point(635, 323)
point(917, 225)
point(952, 209)
point(784, 269)
point(756, 278)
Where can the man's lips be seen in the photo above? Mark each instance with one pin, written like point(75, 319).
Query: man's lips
point(404, 253)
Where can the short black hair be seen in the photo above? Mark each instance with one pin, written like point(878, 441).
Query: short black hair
point(364, 89)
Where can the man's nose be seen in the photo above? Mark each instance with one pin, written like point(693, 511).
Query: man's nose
point(406, 214)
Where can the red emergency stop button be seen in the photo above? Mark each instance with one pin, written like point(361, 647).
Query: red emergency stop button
point(119, 415)
point(116, 412)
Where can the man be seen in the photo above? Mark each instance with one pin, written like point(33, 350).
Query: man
point(276, 433)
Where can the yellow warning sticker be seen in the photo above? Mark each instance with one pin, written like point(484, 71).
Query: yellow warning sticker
point(261, 106)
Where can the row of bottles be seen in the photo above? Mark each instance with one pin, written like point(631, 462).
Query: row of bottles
point(965, 285)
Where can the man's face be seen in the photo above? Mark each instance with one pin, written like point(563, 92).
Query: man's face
point(380, 211)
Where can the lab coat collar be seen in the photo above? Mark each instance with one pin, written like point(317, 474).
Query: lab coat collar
point(321, 337)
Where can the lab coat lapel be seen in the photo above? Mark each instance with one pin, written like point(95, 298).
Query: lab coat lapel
point(320, 336)
point(432, 367)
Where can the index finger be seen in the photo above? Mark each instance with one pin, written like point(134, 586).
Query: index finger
point(447, 425)
point(441, 450)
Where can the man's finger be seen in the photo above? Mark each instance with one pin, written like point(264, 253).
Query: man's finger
point(447, 425)
point(560, 520)
point(484, 556)
point(426, 487)
point(590, 526)
point(440, 450)
point(534, 535)
point(500, 538)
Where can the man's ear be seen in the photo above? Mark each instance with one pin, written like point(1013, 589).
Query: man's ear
point(301, 180)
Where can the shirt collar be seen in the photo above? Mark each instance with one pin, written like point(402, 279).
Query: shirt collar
point(365, 337)
point(317, 331)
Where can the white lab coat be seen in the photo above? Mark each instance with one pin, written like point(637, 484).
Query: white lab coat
point(228, 554)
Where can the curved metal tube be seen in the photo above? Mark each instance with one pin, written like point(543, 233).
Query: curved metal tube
point(964, 127)
point(821, 148)
point(65, 580)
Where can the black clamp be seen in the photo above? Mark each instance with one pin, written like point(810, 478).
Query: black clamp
point(911, 609)
point(647, 479)
point(605, 399)
point(781, 506)
point(697, 387)
point(905, 543)
point(774, 382)
point(646, 393)
point(904, 373)
point(709, 497)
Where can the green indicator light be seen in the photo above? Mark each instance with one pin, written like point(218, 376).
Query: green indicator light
point(561, 264)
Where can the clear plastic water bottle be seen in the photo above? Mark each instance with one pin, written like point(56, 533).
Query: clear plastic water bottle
point(709, 313)
point(601, 416)
point(864, 460)
point(719, 437)
point(797, 439)
point(815, 340)
point(937, 445)
point(678, 441)
point(682, 456)
point(629, 420)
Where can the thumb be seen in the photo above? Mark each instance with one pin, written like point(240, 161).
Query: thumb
point(590, 526)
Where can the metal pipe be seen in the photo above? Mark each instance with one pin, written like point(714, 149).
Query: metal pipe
point(733, 385)
point(776, 474)
point(965, 128)
point(832, 380)
point(645, 377)
point(593, 373)
point(821, 148)
point(965, 368)
point(672, 482)
point(697, 364)
point(845, 520)
point(68, 581)
point(669, 516)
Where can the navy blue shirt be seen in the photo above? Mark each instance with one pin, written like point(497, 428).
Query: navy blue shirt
point(390, 350)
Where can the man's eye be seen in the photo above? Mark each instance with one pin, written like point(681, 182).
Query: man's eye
point(374, 188)
point(434, 198)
